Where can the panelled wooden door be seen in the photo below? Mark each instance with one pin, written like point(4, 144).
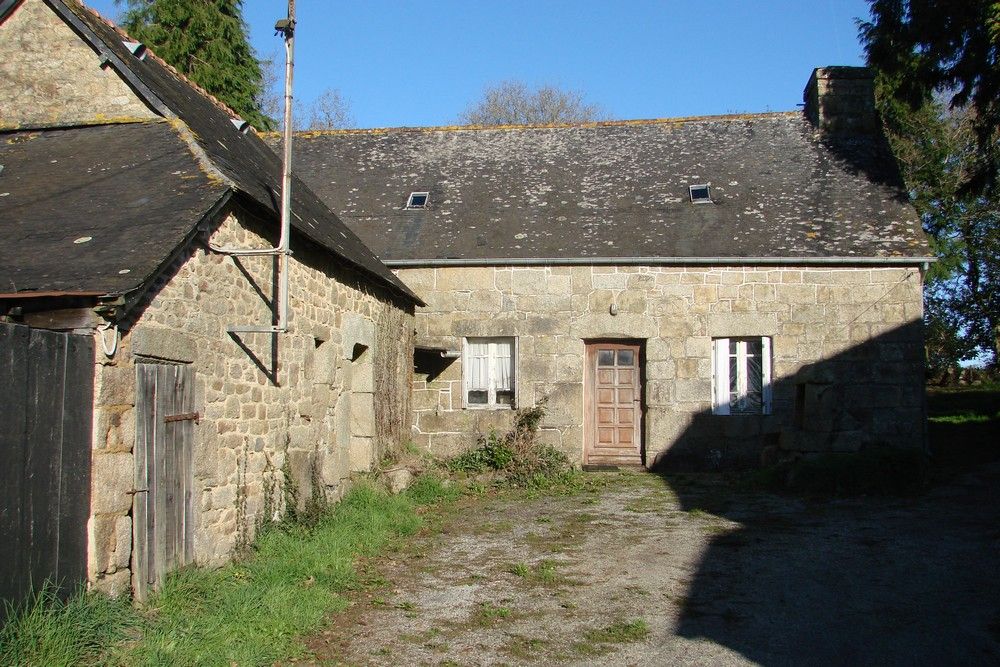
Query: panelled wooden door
point(613, 397)
point(163, 509)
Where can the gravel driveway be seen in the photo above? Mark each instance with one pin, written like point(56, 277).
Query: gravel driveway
point(647, 570)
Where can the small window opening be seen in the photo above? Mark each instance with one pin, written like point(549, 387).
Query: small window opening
point(700, 194)
point(358, 351)
point(418, 200)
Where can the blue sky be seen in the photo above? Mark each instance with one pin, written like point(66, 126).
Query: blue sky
point(422, 63)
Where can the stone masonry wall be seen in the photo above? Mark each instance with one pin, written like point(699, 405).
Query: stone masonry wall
point(61, 83)
point(858, 328)
point(348, 353)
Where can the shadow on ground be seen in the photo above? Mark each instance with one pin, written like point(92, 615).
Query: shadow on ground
point(859, 580)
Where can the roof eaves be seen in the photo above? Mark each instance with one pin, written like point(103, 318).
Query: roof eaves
point(894, 260)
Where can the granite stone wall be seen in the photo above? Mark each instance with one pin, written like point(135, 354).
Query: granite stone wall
point(52, 77)
point(853, 333)
point(331, 396)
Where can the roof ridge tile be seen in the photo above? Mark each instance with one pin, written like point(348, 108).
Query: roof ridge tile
point(543, 126)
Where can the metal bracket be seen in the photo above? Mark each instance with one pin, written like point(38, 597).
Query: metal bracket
point(184, 417)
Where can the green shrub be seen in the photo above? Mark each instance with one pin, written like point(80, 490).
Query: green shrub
point(492, 453)
point(516, 458)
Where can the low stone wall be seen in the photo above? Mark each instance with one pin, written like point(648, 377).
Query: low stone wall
point(858, 328)
point(332, 397)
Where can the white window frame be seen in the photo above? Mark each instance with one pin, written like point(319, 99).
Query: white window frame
point(720, 372)
point(425, 195)
point(491, 402)
point(708, 193)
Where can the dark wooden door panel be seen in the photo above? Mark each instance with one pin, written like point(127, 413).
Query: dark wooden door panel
point(612, 393)
point(46, 398)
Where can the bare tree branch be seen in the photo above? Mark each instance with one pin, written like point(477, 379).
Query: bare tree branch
point(329, 111)
point(514, 103)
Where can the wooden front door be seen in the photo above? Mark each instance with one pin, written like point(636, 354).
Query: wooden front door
point(613, 399)
point(163, 508)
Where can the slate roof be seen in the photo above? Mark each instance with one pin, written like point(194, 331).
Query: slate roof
point(132, 190)
point(615, 190)
point(243, 161)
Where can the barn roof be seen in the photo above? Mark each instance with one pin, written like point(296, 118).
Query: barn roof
point(92, 209)
point(240, 160)
point(616, 190)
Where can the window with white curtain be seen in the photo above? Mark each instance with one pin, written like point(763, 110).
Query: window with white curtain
point(741, 376)
point(488, 372)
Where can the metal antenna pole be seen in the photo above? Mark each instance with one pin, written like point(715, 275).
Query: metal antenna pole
point(287, 28)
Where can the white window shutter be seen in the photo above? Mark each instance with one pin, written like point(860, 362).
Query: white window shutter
point(765, 363)
point(720, 375)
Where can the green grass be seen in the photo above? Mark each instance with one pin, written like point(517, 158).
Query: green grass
point(519, 570)
point(48, 631)
point(430, 488)
point(620, 632)
point(544, 572)
point(963, 428)
point(489, 613)
point(250, 612)
point(525, 647)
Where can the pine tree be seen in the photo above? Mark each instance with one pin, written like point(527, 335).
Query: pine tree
point(938, 73)
point(206, 40)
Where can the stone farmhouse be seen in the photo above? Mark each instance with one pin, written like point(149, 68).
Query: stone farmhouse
point(696, 293)
point(689, 293)
point(139, 219)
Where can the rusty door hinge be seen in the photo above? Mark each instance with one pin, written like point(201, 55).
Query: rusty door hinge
point(183, 417)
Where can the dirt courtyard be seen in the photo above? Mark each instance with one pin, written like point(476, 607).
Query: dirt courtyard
point(648, 570)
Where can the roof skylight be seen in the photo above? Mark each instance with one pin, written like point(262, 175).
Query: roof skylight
point(138, 49)
point(418, 200)
point(700, 194)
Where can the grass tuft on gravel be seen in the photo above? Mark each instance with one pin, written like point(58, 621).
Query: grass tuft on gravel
point(620, 632)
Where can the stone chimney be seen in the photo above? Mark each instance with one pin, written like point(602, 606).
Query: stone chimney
point(841, 100)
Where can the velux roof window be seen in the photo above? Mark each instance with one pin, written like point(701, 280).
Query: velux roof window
point(700, 194)
point(418, 200)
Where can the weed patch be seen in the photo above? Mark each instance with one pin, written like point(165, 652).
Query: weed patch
point(544, 572)
point(489, 614)
point(620, 632)
point(525, 647)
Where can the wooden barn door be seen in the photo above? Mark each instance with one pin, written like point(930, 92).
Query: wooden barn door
point(613, 405)
point(163, 510)
point(47, 402)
